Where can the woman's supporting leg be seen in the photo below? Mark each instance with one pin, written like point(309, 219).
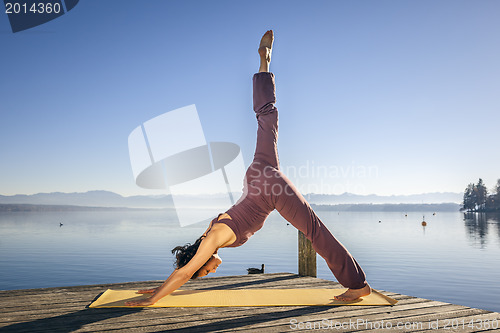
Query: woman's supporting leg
point(296, 210)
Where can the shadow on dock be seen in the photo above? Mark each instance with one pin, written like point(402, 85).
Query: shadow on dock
point(69, 322)
point(255, 319)
point(265, 279)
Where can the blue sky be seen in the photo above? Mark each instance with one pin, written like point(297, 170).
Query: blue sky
point(391, 97)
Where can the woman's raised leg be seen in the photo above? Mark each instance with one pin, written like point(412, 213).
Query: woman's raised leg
point(264, 98)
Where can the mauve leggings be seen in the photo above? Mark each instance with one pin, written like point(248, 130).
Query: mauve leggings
point(266, 188)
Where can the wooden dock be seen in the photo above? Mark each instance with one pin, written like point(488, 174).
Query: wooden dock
point(65, 310)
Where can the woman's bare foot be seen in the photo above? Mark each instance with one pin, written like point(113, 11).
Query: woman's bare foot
point(353, 294)
point(265, 50)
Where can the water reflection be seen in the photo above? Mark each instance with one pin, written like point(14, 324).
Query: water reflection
point(494, 221)
point(477, 227)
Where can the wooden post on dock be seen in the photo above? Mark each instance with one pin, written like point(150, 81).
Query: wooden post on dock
point(307, 257)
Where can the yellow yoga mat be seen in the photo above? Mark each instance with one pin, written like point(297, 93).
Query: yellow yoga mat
point(240, 297)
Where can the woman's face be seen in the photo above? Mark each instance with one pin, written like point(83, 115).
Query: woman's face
point(210, 266)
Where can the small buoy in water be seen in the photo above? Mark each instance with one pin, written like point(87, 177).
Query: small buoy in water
point(406, 215)
point(379, 221)
point(423, 221)
point(434, 214)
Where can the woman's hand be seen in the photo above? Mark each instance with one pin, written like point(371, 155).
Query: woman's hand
point(181, 275)
point(142, 302)
point(147, 291)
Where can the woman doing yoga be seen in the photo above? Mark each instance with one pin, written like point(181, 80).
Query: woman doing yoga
point(265, 188)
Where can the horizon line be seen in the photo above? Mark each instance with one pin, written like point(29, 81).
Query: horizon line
point(200, 194)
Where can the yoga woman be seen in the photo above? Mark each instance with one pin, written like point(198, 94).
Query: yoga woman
point(265, 188)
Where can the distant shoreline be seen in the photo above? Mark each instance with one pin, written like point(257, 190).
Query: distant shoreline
point(64, 208)
point(439, 207)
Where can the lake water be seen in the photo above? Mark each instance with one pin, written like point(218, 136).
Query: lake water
point(455, 258)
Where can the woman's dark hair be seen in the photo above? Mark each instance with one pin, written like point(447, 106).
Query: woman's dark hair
point(184, 254)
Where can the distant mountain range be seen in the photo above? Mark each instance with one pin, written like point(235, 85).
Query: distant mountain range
point(349, 198)
point(433, 207)
point(111, 199)
point(90, 199)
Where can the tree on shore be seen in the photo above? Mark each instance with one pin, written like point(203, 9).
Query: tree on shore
point(495, 197)
point(469, 198)
point(481, 194)
point(476, 198)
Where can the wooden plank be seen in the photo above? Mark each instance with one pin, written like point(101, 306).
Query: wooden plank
point(307, 256)
point(335, 314)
